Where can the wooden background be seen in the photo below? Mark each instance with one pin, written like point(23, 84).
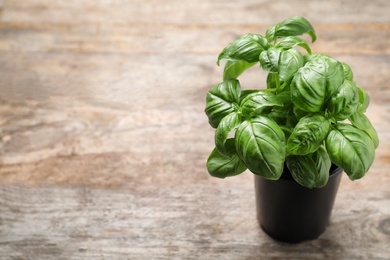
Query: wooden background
point(103, 137)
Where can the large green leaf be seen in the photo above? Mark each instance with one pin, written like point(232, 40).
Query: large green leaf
point(315, 82)
point(221, 100)
point(292, 41)
point(259, 102)
point(360, 121)
point(260, 144)
point(293, 26)
point(351, 149)
point(227, 125)
point(289, 63)
point(224, 166)
point(233, 69)
point(308, 135)
point(269, 59)
point(311, 170)
point(246, 48)
point(344, 102)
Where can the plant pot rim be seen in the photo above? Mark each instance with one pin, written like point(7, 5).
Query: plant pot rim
point(334, 170)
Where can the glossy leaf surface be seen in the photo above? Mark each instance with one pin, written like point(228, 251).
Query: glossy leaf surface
point(289, 63)
point(360, 121)
point(308, 135)
point(256, 103)
point(220, 100)
point(292, 41)
point(311, 170)
point(269, 59)
point(233, 69)
point(227, 125)
point(351, 149)
point(260, 144)
point(364, 100)
point(293, 26)
point(348, 74)
point(344, 102)
point(224, 166)
point(246, 48)
point(315, 82)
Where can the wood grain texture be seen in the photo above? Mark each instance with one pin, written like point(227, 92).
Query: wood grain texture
point(103, 136)
point(174, 222)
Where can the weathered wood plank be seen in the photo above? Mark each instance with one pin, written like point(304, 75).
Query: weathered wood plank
point(103, 138)
point(174, 222)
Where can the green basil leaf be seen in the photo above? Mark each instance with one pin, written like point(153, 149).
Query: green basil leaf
point(292, 41)
point(260, 144)
point(270, 33)
point(227, 125)
point(233, 69)
point(289, 63)
point(311, 170)
point(221, 100)
point(269, 59)
point(246, 92)
point(224, 166)
point(247, 48)
point(259, 102)
point(348, 74)
point(344, 102)
point(293, 26)
point(351, 149)
point(316, 82)
point(308, 135)
point(364, 100)
point(360, 121)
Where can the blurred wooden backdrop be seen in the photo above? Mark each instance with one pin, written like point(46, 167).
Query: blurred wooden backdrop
point(103, 137)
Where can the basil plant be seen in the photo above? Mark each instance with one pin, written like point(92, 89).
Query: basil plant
point(310, 115)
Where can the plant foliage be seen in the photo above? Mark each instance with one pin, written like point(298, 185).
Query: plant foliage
point(298, 120)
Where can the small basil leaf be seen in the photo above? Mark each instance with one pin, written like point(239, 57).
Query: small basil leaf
point(347, 71)
point(360, 121)
point(259, 102)
point(311, 170)
point(220, 100)
point(344, 102)
point(270, 33)
point(292, 41)
point(260, 144)
point(224, 166)
point(364, 100)
point(247, 48)
point(308, 135)
point(351, 149)
point(293, 26)
point(269, 59)
point(233, 69)
point(289, 63)
point(227, 125)
point(316, 82)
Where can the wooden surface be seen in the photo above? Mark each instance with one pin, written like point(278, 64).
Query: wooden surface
point(103, 137)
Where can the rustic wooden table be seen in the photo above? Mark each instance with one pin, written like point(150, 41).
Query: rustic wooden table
point(104, 140)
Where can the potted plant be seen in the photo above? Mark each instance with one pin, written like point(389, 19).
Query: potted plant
point(297, 135)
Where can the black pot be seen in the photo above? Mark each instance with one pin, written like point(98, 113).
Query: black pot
point(291, 213)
